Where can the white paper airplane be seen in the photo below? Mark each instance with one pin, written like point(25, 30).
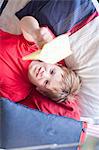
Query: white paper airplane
point(52, 52)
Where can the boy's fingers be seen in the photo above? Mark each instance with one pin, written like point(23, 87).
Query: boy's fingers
point(47, 37)
point(43, 30)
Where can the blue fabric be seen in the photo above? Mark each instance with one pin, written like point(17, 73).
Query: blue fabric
point(58, 15)
point(3, 5)
point(22, 127)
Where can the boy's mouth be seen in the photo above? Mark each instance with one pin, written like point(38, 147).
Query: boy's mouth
point(38, 71)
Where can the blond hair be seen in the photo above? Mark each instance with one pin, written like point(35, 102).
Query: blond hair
point(69, 86)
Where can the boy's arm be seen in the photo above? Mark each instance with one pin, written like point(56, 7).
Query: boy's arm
point(33, 33)
point(29, 27)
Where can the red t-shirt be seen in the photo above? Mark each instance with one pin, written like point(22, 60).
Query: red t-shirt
point(14, 83)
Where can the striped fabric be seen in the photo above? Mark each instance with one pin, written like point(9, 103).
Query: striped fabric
point(93, 130)
point(92, 127)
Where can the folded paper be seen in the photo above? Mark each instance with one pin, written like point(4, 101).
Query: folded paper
point(52, 52)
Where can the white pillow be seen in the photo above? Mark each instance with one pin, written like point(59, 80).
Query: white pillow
point(96, 4)
point(85, 61)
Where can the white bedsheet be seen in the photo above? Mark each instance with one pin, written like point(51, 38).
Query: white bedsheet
point(8, 20)
point(85, 61)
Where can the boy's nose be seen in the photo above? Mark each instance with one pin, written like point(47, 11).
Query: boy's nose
point(43, 73)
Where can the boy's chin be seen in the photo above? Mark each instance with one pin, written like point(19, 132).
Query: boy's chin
point(35, 62)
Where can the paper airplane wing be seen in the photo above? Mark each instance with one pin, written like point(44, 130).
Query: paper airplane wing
point(32, 56)
point(52, 52)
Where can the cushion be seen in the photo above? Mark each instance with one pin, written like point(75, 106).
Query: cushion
point(59, 16)
point(23, 127)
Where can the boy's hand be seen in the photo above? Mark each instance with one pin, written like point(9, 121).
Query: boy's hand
point(44, 36)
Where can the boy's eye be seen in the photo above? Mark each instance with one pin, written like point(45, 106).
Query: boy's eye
point(52, 71)
point(46, 82)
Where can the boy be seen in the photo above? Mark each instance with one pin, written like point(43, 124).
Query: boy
point(17, 76)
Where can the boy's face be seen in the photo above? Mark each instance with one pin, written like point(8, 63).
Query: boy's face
point(44, 75)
